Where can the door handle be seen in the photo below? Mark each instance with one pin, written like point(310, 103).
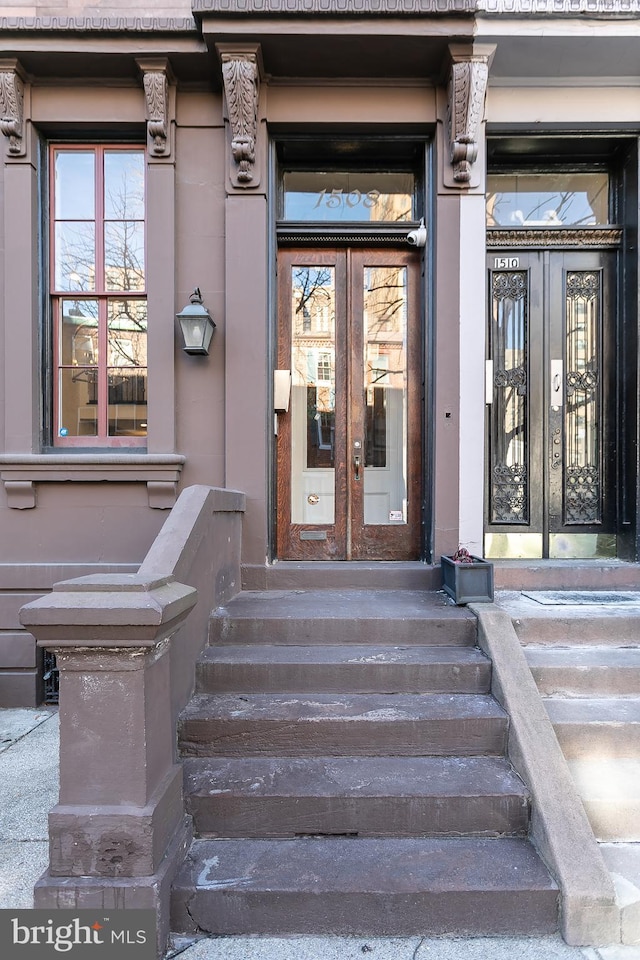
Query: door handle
point(281, 390)
point(556, 383)
point(357, 449)
point(488, 381)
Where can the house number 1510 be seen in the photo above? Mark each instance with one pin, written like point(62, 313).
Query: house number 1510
point(506, 263)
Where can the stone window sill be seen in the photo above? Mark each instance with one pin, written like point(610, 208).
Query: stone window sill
point(21, 474)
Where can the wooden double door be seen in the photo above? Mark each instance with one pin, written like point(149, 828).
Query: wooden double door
point(349, 447)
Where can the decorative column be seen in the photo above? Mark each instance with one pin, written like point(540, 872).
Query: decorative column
point(160, 104)
point(460, 280)
point(246, 289)
point(20, 380)
point(118, 832)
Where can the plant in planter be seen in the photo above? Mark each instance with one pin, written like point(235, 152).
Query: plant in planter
point(467, 579)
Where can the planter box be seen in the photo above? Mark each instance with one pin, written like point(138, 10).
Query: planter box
point(468, 582)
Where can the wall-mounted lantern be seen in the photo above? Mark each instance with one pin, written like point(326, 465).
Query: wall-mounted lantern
point(196, 324)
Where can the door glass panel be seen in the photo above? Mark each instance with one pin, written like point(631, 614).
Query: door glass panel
point(509, 441)
point(548, 200)
point(313, 394)
point(582, 500)
point(385, 388)
point(348, 196)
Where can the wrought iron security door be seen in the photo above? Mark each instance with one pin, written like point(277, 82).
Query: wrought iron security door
point(551, 449)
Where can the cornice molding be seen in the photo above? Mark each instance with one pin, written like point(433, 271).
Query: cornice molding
point(99, 24)
point(613, 9)
point(529, 8)
point(560, 8)
point(500, 238)
point(354, 8)
point(376, 235)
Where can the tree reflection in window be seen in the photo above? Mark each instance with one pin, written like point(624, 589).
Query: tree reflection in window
point(313, 357)
point(385, 333)
point(98, 208)
point(547, 199)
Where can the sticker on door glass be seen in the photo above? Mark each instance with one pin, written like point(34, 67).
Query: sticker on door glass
point(395, 516)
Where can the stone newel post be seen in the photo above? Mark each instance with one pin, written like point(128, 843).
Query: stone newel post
point(120, 814)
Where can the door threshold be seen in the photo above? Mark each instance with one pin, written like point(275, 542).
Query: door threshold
point(554, 574)
point(342, 574)
point(509, 575)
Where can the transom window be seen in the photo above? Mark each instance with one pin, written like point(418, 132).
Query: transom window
point(348, 196)
point(98, 295)
point(547, 199)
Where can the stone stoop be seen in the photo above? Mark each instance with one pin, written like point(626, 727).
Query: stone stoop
point(588, 672)
point(345, 770)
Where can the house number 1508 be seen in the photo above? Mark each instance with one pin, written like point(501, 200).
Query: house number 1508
point(338, 197)
point(506, 263)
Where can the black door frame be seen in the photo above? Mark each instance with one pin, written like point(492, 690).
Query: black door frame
point(540, 505)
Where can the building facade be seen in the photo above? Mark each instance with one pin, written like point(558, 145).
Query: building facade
point(415, 226)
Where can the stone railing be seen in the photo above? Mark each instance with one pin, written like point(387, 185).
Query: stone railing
point(126, 646)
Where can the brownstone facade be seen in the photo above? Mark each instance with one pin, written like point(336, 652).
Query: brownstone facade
point(414, 224)
point(223, 98)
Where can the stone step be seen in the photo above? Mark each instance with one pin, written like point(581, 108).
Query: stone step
point(509, 575)
point(347, 668)
point(570, 575)
point(564, 624)
point(596, 727)
point(342, 616)
point(623, 860)
point(343, 574)
point(591, 671)
point(343, 725)
point(364, 887)
point(355, 796)
point(610, 793)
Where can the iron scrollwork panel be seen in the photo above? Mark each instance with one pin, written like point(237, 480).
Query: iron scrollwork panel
point(509, 488)
point(582, 426)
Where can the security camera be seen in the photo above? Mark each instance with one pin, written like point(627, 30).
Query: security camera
point(418, 238)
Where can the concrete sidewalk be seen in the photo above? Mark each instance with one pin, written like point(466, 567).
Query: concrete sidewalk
point(28, 789)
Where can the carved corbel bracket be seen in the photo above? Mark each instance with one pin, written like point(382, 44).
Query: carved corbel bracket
point(466, 96)
point(241, 78)
point(12, 80)
point(156, 77)
point(21, 494)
